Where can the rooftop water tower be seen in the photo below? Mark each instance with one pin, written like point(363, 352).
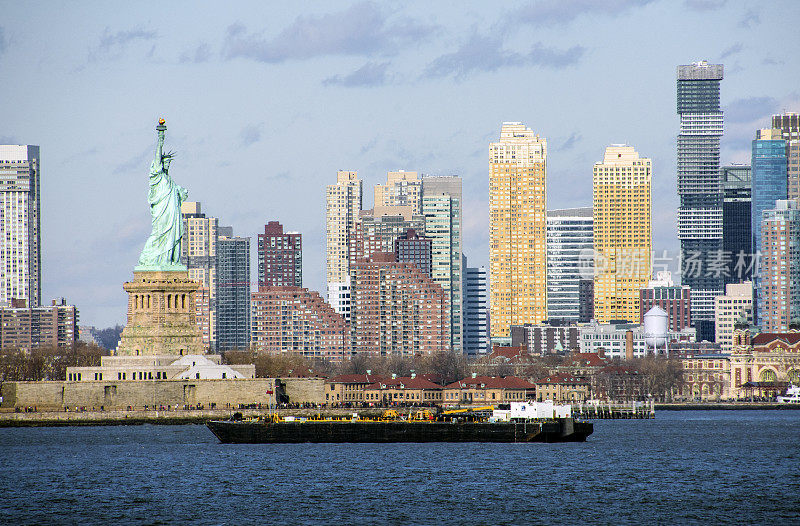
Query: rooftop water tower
point(656, 329)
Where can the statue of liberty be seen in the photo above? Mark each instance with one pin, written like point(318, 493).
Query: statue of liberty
point(163, 248)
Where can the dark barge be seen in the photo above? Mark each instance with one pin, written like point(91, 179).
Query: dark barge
point(376, 431)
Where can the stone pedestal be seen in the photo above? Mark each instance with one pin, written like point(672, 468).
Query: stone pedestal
point(161, 315)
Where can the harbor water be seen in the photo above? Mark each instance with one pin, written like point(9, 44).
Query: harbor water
point(682, 467)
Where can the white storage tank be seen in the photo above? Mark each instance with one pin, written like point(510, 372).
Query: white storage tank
point(656, 326)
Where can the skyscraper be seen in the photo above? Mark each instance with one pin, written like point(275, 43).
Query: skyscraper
point(736, 233)
point(570, 240)
point(401, 189)
point(442, 208)
point(700, 188)
point(233, 290)
point(789, 125)
point(476, 309)
point(769, 178)
point(199, 254)
point(20, 234)
point(778, 295)
point(341, 213)
point(517, 237)
point(622, 233)
point(280, 257)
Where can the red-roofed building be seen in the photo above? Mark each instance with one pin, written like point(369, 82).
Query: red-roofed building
point(348, 388)
point(403, 390)
point(489, 390)
point(562, 388)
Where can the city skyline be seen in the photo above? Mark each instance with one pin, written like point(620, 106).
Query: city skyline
point(416, 93)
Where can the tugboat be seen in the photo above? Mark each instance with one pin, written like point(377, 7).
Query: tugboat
point(514, 422)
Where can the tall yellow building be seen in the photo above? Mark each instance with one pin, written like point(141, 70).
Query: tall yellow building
point(517, 229)
point(341, 214)
point(401, 189)
point(622, 233)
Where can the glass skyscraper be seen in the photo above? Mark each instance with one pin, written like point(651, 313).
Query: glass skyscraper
point(736, 229)
point(233, 291)
point(769, 178)
point(570, 258)
point(700, 189)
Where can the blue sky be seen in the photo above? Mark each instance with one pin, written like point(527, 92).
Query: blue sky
point(266, 101)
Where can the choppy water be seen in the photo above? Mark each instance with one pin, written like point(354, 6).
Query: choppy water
point(684, 467)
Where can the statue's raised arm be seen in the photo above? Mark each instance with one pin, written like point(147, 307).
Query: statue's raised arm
point(163, 248)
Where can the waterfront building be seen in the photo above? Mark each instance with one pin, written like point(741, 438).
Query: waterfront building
point(546, 338)
point(349, 388)
point(25, 328)
point(484, 390)
point(623, 340)
point(562, 388)
point(778, 285)
point(280, 257)
point(622, 233)
point(20, 225)
point(730, 308)
point(737, 242)
point(233, 296)
point(404, 390)
point(476, 309)
point(765, 363)
point(674, 299)
point(585, 300)
point(290, 320)
point(401, 189)
point(412, 248)
point(396, 309)
point(441, 207)
point(699, 188)
point(704, 377)
point(570, 258)
point(789, 125)
point(517, 229)
point(343, 204)
point(199, 254)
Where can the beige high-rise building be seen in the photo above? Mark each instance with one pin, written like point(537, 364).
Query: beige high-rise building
point(401, 189)
point(738, 300)
point(199, 254)
point(517, 229)
point(622, 233)
point(341, 213)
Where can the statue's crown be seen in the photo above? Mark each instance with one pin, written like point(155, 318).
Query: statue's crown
point(161, 121)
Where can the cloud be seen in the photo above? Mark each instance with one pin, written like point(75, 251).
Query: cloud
point(749, 19)
point(3, 41)
point(704, 5)
point(482, 53)
point(561, 12)
point(750, 109)
point(362, 29)
point(137, 162)
point(250, 134)
point(369, 146)
point(8, 139)
point(732, 50)
point(114, 44)
point(370, 74)
point(201, 53)
point(772, 62)
point(571, 141)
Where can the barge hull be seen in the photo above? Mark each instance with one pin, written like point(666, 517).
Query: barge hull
point(242, 432)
